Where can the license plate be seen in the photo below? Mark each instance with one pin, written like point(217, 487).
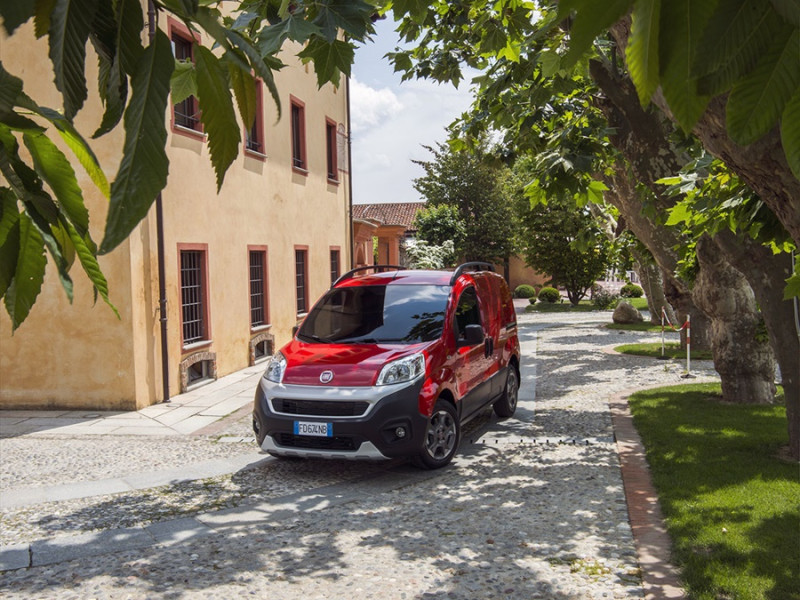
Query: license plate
point(315, 429)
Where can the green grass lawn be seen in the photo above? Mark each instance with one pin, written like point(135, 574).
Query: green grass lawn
point(731, 505)
point(671, 350)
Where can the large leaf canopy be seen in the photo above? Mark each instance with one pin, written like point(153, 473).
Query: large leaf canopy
point(43, 209)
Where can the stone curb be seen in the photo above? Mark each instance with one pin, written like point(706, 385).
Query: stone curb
point(661, 580)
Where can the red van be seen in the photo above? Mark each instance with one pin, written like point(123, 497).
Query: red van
point(392, 363)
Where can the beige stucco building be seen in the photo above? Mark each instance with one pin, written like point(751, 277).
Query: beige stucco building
point(241, 266)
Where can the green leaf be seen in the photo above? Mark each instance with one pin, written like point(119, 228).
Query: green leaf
point(592, 19)
point(790, 133)
point(9, 238)
point(737, 34)
point(54, 168)
point(183, 82)
point(757, 101)
point(143, 171)
point(295, 28)
point(789, 10)
point(349, 16)
point(682, 24)
point(792, 289)
point(10, 89)
point(217, 114)
point(594, 191)
point(28, 273)
point(680, 213)
point(84, 250)
point(244, 88)
point(75, 142)
point(115, 96)
point(41, 19)
point(641, 53)
point(70, 23)
point(16, 13)
point(329, 59)
point(550, 62)
point(130, 24)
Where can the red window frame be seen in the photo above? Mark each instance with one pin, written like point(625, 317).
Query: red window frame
point(262, 251)
point(254, 137)
point(331, 143)
point(297, 125)
point(204, 313)
point(301, 280)
point(180, 31)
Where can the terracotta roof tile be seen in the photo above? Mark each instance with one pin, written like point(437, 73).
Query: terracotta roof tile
point(389, 213)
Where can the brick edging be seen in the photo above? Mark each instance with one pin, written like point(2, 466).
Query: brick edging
point(660, 579)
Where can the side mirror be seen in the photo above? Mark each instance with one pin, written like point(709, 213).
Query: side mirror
point(294, 330)
point(473, 335)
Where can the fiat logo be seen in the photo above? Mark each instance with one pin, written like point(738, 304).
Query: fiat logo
point(326, 376)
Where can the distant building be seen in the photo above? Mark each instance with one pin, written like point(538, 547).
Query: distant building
point(391, 223)
point(242, 266)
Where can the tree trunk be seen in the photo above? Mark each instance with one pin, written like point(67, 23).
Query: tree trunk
point(767, 274)
point(653, 286)
point(742, 357)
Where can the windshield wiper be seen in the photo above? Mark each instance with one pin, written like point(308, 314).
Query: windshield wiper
point(315, 338)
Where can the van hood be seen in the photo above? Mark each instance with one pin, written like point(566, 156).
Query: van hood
point(350, 364)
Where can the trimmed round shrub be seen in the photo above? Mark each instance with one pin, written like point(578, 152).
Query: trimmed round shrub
point(549, 294)
point(524, 291)
point(631, 290)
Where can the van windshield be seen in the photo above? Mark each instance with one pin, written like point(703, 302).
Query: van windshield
point(373, 314)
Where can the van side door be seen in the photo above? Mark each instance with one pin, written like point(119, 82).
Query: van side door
point(471, 358)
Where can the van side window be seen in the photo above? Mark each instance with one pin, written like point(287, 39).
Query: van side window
point(467, 312)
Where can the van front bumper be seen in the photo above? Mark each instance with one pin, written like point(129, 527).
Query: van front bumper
point(376, 422)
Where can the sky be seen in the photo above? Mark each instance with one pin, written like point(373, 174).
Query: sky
point(391, 122)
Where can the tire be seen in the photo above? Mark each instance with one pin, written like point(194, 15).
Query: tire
point(442, 435)
point(506, 405)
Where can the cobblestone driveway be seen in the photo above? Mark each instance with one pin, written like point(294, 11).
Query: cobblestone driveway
point(532, 507)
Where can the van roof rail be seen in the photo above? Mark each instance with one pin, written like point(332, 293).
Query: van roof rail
point(471, 266)
point(377, 268)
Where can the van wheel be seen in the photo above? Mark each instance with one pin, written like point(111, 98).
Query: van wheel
point(507, 403)
point(442, 435)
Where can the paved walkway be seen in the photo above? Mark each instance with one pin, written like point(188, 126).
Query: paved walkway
point(221, 411)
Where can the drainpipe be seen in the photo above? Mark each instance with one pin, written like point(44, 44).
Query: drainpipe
point(350, 172)
point(162, 284)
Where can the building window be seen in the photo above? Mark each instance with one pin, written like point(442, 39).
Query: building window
point(335, 271)
point(259, 314)
point(301, 279)
point(194, 296)
point(187, 112)
point(254, 137)
point(298, 125)
point(331, 143)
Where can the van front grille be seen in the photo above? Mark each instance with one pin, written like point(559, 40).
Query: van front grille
point(319, 408)
point(289, 440)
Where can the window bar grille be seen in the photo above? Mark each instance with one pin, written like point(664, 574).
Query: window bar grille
point(192, 296)
point(300, 271)
point(257, 316)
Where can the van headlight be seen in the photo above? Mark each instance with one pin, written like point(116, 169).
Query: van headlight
point(276, 367)
point(402, 370)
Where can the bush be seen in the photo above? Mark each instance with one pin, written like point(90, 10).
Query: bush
point(604, 299)
point(631, 290)
point(524, 291)
point(549, 294)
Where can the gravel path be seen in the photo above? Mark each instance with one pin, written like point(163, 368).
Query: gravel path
point(532, 507)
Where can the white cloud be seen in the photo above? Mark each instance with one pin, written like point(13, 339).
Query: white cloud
point(370, 106)
point(389, 131)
